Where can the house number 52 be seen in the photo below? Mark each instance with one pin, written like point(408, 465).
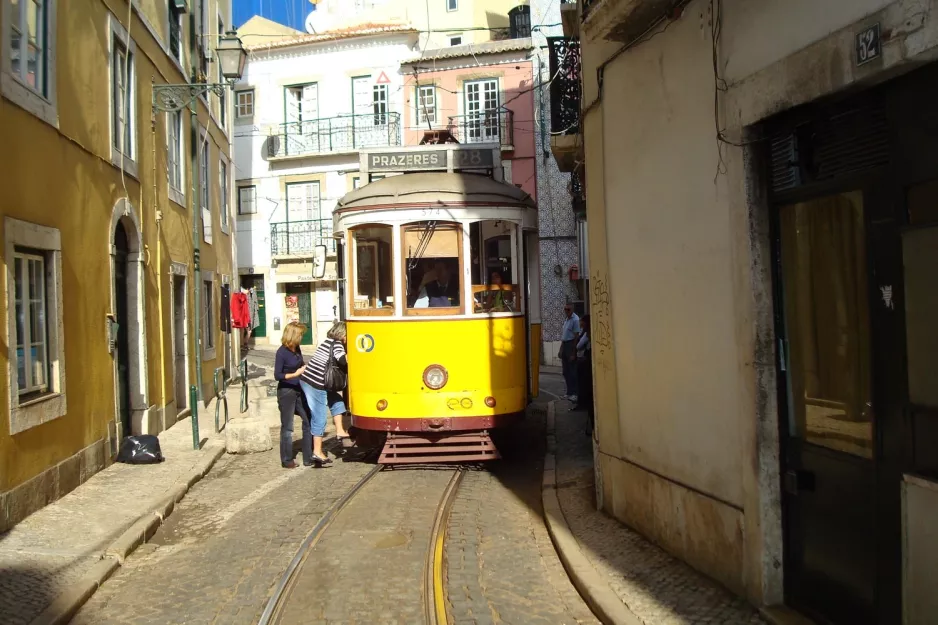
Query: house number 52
point(869, 46)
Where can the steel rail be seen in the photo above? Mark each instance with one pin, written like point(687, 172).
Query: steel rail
point(275, 603)
point(434, 594)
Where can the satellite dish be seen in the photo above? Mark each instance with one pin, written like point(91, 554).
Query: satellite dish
point(319, 262)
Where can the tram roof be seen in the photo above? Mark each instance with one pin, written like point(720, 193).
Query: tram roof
point(438, 189)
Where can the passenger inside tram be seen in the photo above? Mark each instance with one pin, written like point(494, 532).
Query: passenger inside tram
point(496, 298)
point(432, 266)
point(492, 259)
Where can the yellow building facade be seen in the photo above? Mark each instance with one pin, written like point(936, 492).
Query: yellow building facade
point(98, 335)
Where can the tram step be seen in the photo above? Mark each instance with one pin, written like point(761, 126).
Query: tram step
point(414, 449)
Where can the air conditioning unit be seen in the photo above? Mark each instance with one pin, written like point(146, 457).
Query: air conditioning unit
point(180, 6)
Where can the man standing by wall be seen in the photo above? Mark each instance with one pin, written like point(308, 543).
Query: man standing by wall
point(568, 338)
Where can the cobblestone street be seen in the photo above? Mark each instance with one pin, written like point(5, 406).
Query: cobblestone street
point(218, 558)
point(500, 563)
point(220, 553)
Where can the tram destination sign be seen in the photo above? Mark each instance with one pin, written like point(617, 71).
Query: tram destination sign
point(407, 160)
point(431, 160)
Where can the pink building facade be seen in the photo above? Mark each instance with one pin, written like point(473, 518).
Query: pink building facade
point(476, 94)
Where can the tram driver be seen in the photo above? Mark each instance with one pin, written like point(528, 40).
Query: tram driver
point(442, 290)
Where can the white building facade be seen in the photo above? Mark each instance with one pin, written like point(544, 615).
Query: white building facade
point(304, 109)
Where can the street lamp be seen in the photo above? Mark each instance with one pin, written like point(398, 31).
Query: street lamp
point(230, 56)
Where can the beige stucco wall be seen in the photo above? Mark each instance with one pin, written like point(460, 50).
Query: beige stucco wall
point(685, 386)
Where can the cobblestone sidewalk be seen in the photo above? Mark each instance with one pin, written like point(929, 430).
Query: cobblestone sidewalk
point(656, 587)
point(53, 548)
point(47, 553)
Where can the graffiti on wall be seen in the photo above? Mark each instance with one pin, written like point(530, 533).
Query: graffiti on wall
point(601, 309)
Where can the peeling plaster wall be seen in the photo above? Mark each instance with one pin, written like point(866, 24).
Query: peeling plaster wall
point(681, 295)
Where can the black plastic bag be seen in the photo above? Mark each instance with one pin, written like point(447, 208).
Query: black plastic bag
point(140, 450)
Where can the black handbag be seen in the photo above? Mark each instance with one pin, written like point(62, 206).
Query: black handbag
point(335, 379)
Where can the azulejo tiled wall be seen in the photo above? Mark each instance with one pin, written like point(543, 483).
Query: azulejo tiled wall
point(557, 222)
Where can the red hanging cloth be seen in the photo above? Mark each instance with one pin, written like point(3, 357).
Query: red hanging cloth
point(240, 311)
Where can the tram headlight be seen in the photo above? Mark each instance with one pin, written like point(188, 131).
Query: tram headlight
point(435, 377)
point(382, 404)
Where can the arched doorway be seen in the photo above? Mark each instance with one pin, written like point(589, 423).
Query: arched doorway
point(122, 355)
point(131, 406)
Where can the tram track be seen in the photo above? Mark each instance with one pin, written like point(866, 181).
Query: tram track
point(432, 586)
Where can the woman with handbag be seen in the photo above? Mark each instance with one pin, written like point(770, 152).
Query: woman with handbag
point(322, 382)
point(288, 367)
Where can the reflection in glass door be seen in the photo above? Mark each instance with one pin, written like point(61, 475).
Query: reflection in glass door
point(827, 321)
point(826, 367)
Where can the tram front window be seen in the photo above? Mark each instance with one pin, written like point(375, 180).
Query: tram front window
point(373, 277)
point(494, 267)
point(432, 268)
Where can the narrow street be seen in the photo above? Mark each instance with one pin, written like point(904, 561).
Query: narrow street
point(220, 555)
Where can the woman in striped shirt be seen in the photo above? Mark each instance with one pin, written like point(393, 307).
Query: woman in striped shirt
point(320, 400)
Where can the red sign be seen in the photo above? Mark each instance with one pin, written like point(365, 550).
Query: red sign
point(383, 79)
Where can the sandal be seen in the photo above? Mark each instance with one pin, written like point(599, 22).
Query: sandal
point(321, 462)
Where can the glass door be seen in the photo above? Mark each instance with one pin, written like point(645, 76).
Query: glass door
point(825, 351)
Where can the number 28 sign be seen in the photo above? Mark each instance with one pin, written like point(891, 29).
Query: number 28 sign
point(869, 45)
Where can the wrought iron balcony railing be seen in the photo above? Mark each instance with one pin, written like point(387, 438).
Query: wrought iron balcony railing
point(299, 238)
point(329, 135)
point(565, 86)
point(486, 127)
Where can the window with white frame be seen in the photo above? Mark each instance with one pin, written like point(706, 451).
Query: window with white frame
point(223, 193)
point(481, 105)
point(223, 94)
point(380, 95)
point(303, 201)
point(426, 105)
point(452, 5)
point(204, 188)
point(30, 309)
point(27, 56)
point(174, 151)
point(455, 40)
point(247, 200)
point(203, 174)
point(244, 104)
point(34, 313)
point(208, 315)
point(123, 117)
point(175, 31)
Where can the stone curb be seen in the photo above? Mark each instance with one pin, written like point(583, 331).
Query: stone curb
point(68, 602)
point(594, 590)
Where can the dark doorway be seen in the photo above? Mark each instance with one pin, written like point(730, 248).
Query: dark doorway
point(829, 475)
point(121, 294)
point(854, 191)
point(180, 338)
point(300, 308)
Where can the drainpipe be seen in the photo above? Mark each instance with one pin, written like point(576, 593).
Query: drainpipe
point(158, 213)
point(196, 214)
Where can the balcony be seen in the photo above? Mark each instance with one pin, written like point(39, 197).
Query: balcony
point(622, 21)
point(495, 126)
point(334, 135)
point(570, 18)
point(565, 141)
point(298, 239)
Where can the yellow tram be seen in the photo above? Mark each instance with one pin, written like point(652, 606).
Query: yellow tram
point(440, 289)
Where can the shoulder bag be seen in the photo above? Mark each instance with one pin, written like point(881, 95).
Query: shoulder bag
point(335, 379)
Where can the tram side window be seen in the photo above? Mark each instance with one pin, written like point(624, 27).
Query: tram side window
point(495, 268)
point(432, 268)
point(373, 283)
